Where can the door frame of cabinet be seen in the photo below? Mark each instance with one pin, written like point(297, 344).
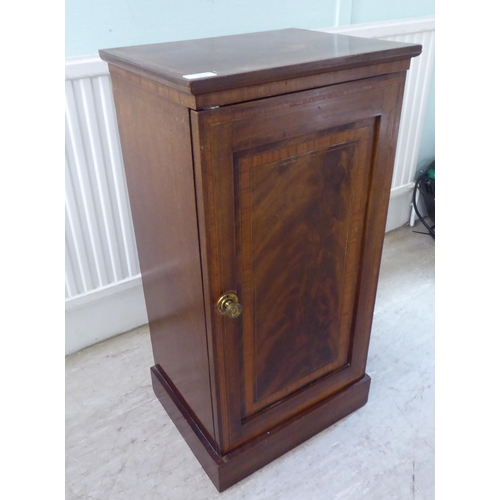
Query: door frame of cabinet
point(215, 141)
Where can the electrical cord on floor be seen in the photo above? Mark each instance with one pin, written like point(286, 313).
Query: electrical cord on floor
point(431, 229)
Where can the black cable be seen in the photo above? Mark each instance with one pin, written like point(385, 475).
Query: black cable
point(417, 182)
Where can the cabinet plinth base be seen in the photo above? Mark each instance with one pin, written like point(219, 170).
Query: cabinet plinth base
point(227, 470)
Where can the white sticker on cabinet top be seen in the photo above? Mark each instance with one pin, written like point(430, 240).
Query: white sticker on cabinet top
point(194, 76)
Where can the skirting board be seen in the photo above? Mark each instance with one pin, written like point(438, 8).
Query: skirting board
point(226, 470)
point(104, 313)
point(399, 211)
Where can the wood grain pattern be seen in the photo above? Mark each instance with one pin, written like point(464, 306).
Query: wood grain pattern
point(298, 265)
point(296, 214)
point(160, 184)
point(255, 58)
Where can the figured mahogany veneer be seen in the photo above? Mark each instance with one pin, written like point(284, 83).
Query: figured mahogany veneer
point(269, 179)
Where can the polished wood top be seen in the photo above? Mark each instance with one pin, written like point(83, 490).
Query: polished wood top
point(222, 63)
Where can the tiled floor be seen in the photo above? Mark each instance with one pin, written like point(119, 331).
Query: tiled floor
point(121, 445)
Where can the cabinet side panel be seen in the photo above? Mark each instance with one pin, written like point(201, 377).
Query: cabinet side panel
point(156, 144)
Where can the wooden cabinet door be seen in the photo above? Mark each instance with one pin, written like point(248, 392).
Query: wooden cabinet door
point(292, 196)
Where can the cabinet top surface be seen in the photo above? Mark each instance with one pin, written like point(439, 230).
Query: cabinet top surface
point(211, 64)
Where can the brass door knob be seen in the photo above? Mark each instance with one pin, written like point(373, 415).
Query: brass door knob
point(228, 305)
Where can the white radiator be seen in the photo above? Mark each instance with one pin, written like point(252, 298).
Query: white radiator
point(102, 270)
point(418, 80)
point(103, 285)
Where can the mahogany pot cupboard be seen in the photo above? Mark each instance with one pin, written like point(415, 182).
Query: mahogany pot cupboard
point(259, 169)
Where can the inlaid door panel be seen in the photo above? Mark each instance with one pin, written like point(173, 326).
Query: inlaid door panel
point(283, 188)
point(297, 204)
